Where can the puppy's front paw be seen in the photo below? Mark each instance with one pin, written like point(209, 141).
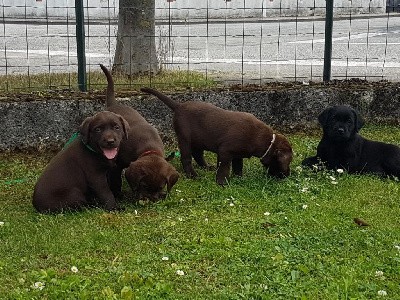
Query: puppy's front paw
point(192, 174)
point(113, 207)
point(222, 181)
point(117, 208)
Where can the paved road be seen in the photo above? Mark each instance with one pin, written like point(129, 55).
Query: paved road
point(248, 51)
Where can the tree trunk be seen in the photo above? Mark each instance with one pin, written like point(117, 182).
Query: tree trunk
point(135, 53)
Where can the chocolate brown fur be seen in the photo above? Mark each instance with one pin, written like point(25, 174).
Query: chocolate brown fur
point(232, 135)
point(142, 154)
point(77, 176)
point(153, 180)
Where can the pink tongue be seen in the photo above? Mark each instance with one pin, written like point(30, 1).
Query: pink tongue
point(110, 153)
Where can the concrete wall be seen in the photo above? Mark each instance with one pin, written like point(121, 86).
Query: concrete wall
point(49, 124)
point(189, 9)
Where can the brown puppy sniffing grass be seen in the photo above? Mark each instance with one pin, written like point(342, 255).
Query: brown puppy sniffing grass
point(147, 173)
point(232, 135)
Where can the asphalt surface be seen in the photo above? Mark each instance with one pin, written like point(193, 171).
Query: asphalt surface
point(246, 50)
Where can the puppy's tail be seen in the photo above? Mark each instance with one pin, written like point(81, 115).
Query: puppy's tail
point(110, 95)
point(167, 100)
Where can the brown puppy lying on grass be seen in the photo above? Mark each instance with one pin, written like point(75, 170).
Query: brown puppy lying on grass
point(232, 135)
point(142, 153)
point(77, 175)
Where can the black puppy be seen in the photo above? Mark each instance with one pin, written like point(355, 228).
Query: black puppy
point(342, 147)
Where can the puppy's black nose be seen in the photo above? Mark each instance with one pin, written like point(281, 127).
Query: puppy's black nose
point(341, 130)
point(111, 142)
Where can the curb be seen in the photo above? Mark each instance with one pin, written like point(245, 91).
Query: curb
point(62, 21)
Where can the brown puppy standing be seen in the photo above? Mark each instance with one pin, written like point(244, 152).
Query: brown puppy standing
point(142, 154)
point(232, 135)
point(78, 174)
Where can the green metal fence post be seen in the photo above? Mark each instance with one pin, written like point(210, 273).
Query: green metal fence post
point(328, 41)
point(80, 45)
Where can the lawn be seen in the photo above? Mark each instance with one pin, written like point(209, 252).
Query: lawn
point(257, 238)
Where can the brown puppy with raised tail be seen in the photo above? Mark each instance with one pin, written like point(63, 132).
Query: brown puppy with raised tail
point(147, 173)
point(77, 176)
point(232, 135)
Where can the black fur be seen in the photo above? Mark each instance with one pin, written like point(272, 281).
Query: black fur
point(342, 147)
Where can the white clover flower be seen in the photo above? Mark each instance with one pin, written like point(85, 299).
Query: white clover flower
point(136, 212)
point(1, 223)
point(334, 182)
point(382, 293)
point(304, 189)
point(397, 247)
point(206, 219)
point(304, 206)
point(340, 171)
point(74, 269)
point(180, 272)
point(231, 204)
point(267, 213)
point(378, 273)
point(332, 178)
point(178, 191)
point(299, 168)
point(180, 219)
point(165, 258)
point(38, 285)
point(231, 198)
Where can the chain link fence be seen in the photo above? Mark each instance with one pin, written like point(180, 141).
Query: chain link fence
point(229, 41)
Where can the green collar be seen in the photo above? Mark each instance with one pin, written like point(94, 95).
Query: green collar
point(88, 147)
point(73, 138)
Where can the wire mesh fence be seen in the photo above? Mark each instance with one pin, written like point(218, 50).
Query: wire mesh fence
point(235, 41)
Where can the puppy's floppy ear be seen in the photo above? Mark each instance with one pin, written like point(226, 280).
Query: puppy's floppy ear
point(84, 129)
point(172, 178)
point(125, 126)
point(324, 116)
point(359, 121)
point(134, 174)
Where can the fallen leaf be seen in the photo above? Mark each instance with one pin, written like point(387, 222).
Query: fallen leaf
point(360, 222)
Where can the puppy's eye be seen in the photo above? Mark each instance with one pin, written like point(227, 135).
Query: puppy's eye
point(116, 127)
point(98, 130)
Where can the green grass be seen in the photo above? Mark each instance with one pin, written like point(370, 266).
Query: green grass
point(219, 237)
point(177, 80)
